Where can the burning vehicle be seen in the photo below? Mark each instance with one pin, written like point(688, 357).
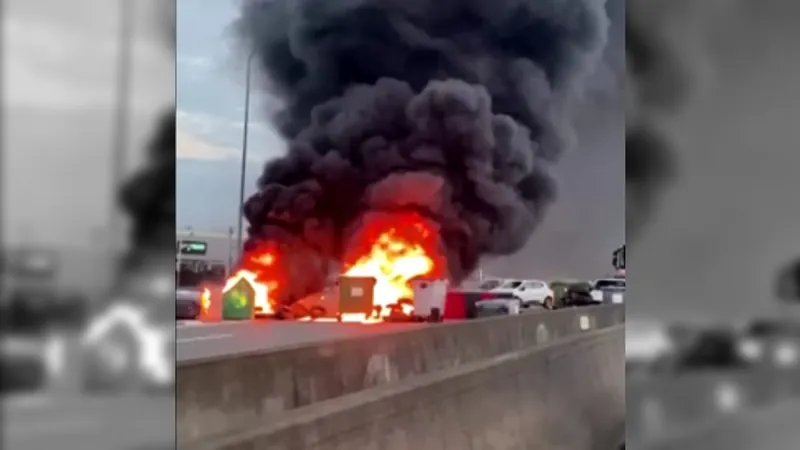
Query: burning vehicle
point(416, 147)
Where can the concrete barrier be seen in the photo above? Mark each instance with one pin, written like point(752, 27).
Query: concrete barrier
point(222, 395)
point(567, 395)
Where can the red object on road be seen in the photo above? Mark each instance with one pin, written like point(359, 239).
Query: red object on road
point(460, 304)
point(455, 306)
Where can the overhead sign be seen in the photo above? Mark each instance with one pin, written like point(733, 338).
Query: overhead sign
point(197, 248)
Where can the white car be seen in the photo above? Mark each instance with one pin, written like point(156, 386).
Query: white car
point(609, 290)
point(646, 340)
point(529, 292)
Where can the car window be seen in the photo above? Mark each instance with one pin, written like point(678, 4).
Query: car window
point(511, 284)
point(610, 284)
point(534, 285)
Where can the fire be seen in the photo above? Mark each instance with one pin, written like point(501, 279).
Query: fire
point(260, 271)
point(394, 249)
point(262, 302)
point(205, 300)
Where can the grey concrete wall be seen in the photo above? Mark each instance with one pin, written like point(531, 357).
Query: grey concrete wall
point(568, 395)
point(223, 395)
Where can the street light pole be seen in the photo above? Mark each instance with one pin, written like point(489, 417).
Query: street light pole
point(244, 152)
point(119, 145)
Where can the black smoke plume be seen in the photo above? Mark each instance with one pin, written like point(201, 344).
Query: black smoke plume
point(149, 195)
point(453, 108)
point(659, 83)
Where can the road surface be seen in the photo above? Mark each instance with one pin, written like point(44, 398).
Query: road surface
point(773, 427)
point(197, 340)
point(208, 340)
point(677, 410)
point(65, 421)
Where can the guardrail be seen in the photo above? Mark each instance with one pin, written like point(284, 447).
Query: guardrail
point(221, 395)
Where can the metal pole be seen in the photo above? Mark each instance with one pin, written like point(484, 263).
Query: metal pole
point(178, 266)
point(229, 266)
point(121, 118)
point(244, 153)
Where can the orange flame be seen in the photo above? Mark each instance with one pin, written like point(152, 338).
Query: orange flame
point(399, 248)
point(393, 262)
point(205, 301)
point(393, 249)
point(262, 302)
point(261, 273)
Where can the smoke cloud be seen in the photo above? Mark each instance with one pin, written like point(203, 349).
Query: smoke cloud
point(456, 109)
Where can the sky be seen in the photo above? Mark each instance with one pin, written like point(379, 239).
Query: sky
point(59, 101)
point(576, 239)
point(210, 117)
point(58, 89)
point(729, 221)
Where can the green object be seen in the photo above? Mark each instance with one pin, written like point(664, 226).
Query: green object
point(237, 303)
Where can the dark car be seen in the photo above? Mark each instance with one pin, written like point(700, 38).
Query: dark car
point(189, 302)
point(23, 364)
point(712, 349)
point(577, 294)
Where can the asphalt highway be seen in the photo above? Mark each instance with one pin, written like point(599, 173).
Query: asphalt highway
point(70, 421)
point(713, 409)
point(773, 427)
point(207, 340)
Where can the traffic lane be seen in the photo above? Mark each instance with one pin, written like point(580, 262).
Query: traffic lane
point(76, 422)
point(664, 405)
point(208, 341)
point(773, 427)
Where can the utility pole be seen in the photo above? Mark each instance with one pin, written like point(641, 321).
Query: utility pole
point(119, 144)
point(245, 127)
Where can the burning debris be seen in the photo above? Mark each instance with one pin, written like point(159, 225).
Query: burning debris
point(421, 134)
point(394, 249)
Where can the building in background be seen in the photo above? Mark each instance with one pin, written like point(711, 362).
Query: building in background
point(204, 255)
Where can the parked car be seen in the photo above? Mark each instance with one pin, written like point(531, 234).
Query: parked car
point(23, 363)
point(577, 294)
point(713, 348)
point(772, 342)
point(647, 342)
point(498, 304)
point(189, 302)
point(529, 292)
point(559, 288)
point(609, 290)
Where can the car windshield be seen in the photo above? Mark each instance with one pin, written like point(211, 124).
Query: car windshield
point(610, 284)
point(511, 284)
point(490, 284)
